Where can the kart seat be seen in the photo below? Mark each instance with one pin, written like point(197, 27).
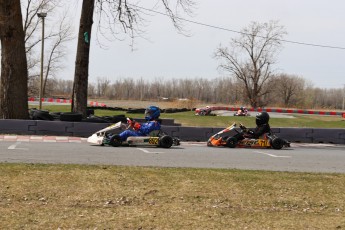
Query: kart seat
point(154, 133)
point(265, 135)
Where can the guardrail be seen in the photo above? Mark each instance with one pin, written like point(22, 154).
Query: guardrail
point(82, 129)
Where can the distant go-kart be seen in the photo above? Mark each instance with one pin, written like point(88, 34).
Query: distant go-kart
point(241, 113)
point(226, 138)
point(156, 138)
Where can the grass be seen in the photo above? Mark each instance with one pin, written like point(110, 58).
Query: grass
point(36, 196)
point(189, 119)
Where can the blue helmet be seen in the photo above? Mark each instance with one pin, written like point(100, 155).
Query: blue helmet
point(152, 113)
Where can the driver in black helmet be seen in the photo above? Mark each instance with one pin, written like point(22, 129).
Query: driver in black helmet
point(261, 128)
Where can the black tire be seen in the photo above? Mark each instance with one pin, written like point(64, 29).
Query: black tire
point(277, 143)
point(90, 112)
point(168, 110)
point(42, 115)
point(94, 119)
point(115, 119)
point(231, 142)
point(56, 115)
point(115, 140)
point(166, 141)
point(71, 116)
point(31, 113)
point(131, 110)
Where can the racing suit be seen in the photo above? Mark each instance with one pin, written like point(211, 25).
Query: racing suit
point(258, 131)
point(142, 129)
point(254, 133)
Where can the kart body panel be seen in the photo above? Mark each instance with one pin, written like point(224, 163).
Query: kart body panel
point(97, 137)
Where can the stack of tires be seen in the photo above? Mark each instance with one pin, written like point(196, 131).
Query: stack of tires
point(36, 114)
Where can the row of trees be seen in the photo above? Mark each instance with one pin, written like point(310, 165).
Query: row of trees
point(117, 16)
point(282, 91)
point(248, 59)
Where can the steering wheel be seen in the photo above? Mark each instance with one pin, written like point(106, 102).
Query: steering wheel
point(243, 127)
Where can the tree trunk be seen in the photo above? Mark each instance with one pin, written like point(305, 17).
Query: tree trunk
point(14, 74)
point(81, 74)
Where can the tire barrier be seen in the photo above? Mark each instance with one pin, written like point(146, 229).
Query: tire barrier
point(36, 114)
point(81, 129)
point(273, 110)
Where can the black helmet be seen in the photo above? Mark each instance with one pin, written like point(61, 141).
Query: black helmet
point(262, 118)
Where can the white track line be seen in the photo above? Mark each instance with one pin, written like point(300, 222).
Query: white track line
point(14, 146)
point(146, 151)
point(272, 155)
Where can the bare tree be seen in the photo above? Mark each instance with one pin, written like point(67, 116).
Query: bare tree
point(102, 85)
point(288, 88)
point(251, 55)
point(62, 88)
point(57, 50)
point(113, 15)
point(14, 74)
point(31, 26)
point(56, 38)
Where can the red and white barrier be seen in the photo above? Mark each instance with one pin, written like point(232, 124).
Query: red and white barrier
point(97, 104)
point(277, 110)
point(51, 100)
point(66, 101)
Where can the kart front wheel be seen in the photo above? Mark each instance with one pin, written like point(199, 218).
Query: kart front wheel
point(231, 142)
point(166, 141)
point(277, 143)
point(115, 140)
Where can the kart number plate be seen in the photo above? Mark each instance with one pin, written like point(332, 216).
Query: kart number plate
point(153, 141)
point(262, 143)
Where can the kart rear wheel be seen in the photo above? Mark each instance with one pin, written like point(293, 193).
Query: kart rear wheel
point(231, 142)
point(166, 141)
point(277, 143)
point(115, 141)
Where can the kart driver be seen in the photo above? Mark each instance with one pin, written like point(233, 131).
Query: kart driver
point(152, 114)
point(262, 127)
point(241, 112)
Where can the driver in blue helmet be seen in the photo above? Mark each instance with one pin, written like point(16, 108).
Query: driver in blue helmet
point(152, 123)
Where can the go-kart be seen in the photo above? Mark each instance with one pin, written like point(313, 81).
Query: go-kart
point(203, 111)
point(108, 136)
point(241, 113)
point(226, 138)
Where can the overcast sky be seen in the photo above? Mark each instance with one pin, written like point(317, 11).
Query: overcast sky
point(167, 54)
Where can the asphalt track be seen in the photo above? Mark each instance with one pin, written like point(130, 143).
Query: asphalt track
point(299, 158)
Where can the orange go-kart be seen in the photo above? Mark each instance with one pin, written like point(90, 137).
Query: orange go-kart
point(226, 138)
